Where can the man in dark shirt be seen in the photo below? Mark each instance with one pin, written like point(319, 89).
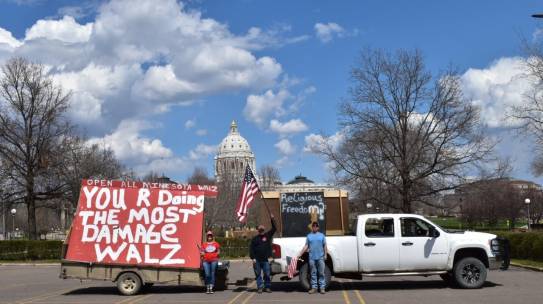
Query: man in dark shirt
point(260, 252)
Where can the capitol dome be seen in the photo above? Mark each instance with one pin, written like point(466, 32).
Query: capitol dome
point(234, 144)
point(234, 154)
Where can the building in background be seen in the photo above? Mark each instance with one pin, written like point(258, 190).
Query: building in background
point(234, 153)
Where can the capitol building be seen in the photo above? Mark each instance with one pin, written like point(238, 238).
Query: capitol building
point(233, 155)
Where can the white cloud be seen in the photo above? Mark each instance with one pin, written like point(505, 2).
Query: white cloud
point(172, 56)
point(496, 88)
point(7, 38)
point(202, 151)
point(189, 124)
point(201, 132)
point(260, 107)
point(315, 142)
point(130, 146)
point(134, 60)
point(285, 147)
point(325, 32)
point(65, 29)
point(290, 127)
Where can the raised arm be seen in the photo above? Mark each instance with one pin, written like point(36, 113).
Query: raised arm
point(273, 227)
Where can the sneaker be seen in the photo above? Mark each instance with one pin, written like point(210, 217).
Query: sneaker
point(322, 291)
point(211, 289)
point(312, 290)
point(259, 290)
point(268, 290)
point(208, 289)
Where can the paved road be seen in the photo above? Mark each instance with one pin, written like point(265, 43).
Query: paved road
point(41, 285)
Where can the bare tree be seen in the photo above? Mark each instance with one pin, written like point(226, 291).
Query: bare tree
point(199, 176)
point(32, 130)
point(407, 135)
point(213, 209)
point(269, 176)
point(529, 115)
point(83, 161)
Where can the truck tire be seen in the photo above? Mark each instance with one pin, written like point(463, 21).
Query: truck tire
point(469, 273)
point(221, 281)
point(129, 283)
point(305, 276)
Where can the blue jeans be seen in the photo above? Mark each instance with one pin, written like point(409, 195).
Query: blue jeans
point(317, 266)
point(209, 270)
point(259, 267)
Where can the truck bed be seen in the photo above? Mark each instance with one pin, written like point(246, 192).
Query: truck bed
point(345, 248)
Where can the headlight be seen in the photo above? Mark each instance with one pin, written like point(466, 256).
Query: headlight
point(495, 245)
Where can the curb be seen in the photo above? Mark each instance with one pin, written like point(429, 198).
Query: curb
point(527, 267)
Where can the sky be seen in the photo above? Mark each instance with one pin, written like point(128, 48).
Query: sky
point(159, 81)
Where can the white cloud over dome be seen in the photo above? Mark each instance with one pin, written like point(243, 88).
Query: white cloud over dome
point(260, 107)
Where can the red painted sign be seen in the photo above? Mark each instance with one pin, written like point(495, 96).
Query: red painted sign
point(124, 222)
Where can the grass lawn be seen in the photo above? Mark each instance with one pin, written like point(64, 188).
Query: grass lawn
point(528, 263)
point(29, 261)
point(456, 223)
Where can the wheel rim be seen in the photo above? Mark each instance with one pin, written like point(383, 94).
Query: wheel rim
point(129, 284)
point(471, 274)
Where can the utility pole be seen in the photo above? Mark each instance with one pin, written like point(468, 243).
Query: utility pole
point(3, 214)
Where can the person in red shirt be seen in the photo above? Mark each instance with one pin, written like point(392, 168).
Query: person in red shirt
point(210, 251)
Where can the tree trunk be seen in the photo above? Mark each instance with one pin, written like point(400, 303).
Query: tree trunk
point(31, 210)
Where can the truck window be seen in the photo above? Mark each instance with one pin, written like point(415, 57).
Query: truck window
point(379, 227)
point(414, 227)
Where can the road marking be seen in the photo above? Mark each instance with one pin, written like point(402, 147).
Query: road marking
point(242, 293)
point(359, 296)
point(344, 292)
point(140, 299)
point(132, 299)
point(248, 298)
point(43, 296)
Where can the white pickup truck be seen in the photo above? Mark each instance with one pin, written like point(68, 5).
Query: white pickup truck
point(398, 245)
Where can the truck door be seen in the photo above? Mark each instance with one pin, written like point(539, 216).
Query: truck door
point(378, 245)
point(422, 247)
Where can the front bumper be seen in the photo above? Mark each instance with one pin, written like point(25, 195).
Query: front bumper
point(501, 259)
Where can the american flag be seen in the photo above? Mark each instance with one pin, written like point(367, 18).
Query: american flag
point(292, 267)
point(249, 188)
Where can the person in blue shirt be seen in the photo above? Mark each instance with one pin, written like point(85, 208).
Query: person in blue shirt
point(315, 243)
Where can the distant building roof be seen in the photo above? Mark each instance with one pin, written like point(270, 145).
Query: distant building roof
point(299, 179)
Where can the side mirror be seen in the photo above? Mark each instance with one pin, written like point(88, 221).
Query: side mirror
point(434, 233)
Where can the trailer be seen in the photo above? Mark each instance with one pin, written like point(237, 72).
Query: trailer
point(138, 234)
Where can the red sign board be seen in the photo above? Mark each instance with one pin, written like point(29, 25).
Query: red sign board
point(124, 222)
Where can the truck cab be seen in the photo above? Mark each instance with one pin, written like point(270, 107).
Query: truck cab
point(407, 244)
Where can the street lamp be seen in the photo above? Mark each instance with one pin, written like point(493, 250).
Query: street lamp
point(527, 202)
point(368, 206)
point(13, 212)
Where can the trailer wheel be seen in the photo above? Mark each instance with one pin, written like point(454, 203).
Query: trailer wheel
point(129, 283)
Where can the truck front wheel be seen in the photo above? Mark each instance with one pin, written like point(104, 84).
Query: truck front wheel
point(470, 273)
point(129, 283)
point(305, 276)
